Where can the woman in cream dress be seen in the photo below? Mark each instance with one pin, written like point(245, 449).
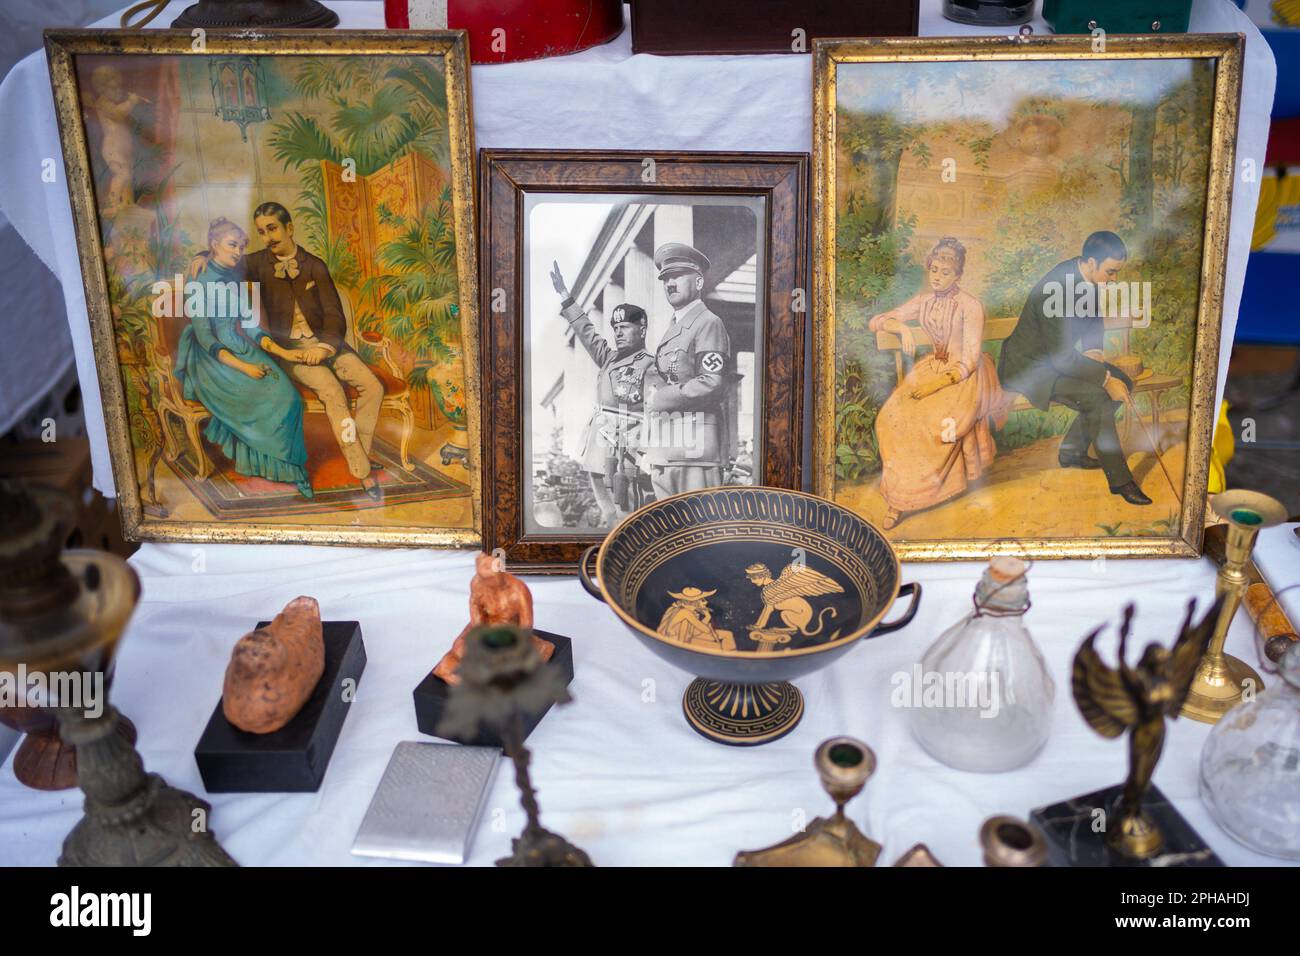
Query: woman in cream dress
point(933, 431)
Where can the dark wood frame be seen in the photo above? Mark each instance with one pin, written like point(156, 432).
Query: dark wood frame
point(504, 177)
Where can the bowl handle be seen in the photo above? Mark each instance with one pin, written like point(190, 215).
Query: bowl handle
point(913, 588)
point(584, 578)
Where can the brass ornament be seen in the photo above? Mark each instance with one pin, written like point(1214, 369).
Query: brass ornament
point(1221, 678)
point(917, 857)
point(1011, 842)
point(1138, 699)
point(844, 766)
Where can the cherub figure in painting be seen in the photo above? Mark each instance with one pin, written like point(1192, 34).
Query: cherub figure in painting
point(112, 105)
point(934, 431)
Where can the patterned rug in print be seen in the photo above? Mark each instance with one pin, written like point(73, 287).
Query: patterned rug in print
point(229, 495)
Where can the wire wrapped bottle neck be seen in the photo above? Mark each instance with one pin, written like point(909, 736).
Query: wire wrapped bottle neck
point(994, 598)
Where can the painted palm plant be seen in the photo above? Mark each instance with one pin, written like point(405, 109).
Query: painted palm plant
point(378, 110)
point(419, 292)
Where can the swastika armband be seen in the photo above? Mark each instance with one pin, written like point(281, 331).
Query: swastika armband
point(712, 362)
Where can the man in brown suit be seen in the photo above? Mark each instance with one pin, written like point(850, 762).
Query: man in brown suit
point(306, 329)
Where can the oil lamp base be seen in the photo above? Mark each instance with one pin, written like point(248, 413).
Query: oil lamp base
point(44, 762)
point(132, 818)
point(256, 13)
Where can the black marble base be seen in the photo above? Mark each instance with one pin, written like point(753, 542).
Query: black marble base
point(1072, 841)
point(294, 758)
point(431, 697)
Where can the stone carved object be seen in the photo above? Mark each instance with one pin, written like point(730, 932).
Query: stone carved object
point(274, 669)
point(495, 597)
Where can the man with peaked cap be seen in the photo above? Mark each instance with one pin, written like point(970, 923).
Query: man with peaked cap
point(686, 423)
point(610, 444)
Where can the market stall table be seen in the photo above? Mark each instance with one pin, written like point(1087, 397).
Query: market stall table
point(618, 771)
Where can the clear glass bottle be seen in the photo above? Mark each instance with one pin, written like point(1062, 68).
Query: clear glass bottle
point(989, 13)
point(985, 701)
point(1250, 767)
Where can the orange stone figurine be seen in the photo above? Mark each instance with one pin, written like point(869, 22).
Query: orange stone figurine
point(495, 597)
point(274, 669)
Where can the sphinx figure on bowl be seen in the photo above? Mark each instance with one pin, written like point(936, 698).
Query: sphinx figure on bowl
point(934, 432)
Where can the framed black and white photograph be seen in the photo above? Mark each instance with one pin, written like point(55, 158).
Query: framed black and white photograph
point(652, 305)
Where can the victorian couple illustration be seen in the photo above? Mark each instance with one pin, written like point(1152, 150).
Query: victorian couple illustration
point(935, 431)
point(246, 371)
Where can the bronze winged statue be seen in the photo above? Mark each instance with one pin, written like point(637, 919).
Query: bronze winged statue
point(1138, 699)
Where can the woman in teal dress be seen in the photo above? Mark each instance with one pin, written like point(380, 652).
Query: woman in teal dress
point(256, 410)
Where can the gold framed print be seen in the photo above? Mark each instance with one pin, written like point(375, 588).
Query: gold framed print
point(1019, 265)
point(276, 233)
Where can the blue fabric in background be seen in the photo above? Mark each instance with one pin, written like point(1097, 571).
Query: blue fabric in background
point(1266, 317)
point(1286, 50)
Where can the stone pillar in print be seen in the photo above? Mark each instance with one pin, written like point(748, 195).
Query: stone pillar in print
point(640, 287)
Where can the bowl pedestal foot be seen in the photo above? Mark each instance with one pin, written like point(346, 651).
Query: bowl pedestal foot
point(742, 715)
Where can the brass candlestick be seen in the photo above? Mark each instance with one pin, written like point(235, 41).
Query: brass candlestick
point(1221, 678)
point(844, 766)
point(502, 677)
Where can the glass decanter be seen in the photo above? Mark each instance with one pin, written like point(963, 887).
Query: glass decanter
point(985, 700)
point(1250, 766)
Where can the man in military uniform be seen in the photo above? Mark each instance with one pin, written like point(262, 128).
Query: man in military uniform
point(686, 425)
point(610, 445)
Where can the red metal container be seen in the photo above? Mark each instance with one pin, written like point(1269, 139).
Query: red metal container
point(505, 31)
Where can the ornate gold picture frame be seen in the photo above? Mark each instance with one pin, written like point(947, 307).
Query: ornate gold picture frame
point(1019, 264)
point(277, 240)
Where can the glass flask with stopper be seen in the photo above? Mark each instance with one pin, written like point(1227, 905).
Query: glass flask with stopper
point(985, 696)
point(1250, 766)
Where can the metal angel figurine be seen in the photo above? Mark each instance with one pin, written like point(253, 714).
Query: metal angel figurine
point(1115, 699)
point(787, 597)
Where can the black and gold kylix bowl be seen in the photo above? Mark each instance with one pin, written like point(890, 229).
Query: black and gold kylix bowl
point(747, 588)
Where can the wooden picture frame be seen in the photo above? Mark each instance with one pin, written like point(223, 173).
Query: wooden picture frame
point(167, 141)
point(1026, 165)
point(629, 203)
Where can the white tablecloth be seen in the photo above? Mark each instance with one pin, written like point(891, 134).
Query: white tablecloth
point(604, 98)
point(620, 775)
point(624, 778)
